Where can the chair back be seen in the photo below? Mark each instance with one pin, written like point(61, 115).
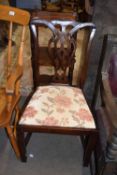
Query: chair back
point(11, 70)
point(59, 50)
point(13, 18)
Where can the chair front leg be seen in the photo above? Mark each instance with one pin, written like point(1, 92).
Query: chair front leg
point(21, 143)
point(89, 148)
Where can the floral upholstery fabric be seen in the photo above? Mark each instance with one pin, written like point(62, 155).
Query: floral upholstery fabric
point(60, 106)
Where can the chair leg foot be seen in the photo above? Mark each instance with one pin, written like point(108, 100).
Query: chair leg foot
point(21, 144)
point(89, 148)
point(13, 141)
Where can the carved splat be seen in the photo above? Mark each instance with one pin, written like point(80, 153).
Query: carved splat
point(61, 46)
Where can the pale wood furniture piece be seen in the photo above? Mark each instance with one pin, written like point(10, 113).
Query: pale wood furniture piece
point(105, 108)
point(83, 9)
point(10, 93)
point(69, 6)
point(58, 107)
point(60, 5)
point(50, 6)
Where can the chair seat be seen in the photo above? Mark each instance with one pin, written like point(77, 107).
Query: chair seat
point(60, 106)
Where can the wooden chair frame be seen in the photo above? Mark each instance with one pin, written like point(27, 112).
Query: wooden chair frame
point(12, 89)
point(89, 135)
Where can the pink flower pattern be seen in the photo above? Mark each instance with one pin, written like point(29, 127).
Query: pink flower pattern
point(61, 106)
point(44, 90)
point(62, 101)
point(83, 115)
point(29, 112)
point(76, 91)
point(60, 110)
point(50, 121)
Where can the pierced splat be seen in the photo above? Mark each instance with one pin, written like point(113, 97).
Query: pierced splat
point(62, 51)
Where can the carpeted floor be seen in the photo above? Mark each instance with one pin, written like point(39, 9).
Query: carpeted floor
point(47, 154)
